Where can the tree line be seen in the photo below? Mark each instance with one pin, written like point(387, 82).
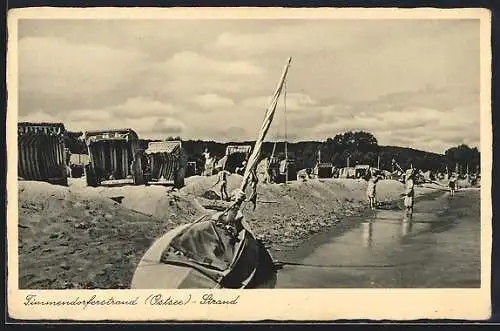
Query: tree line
point(352, 147)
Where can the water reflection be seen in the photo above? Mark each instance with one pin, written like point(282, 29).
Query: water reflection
point(367, 234)
point(385, 230)
point(414, 245)
point(406, 225)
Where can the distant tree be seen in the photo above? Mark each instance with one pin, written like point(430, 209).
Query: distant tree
point(74, 143)
point(358, 146)
point(355, 141)
point(463, 156)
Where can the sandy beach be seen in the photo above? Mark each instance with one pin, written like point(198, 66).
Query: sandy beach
point(83, 237)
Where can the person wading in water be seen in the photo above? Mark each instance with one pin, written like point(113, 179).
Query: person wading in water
point(371, 190)
point(409, 194)
point(453, 184)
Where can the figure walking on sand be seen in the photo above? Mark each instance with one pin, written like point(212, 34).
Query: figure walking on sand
point(222, 178)
point(409, 191)
point(371, 190)
point(452, 184)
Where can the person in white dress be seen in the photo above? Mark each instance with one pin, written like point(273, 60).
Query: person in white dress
point(371, 190)
point(409, 193)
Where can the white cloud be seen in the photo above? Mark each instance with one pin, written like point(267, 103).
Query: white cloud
point(188, 73)
point(39, 116)
point(98, 116)
point(193, 62)
point(57, 68)
point(295, 102)
point(130, 109)
point(143, 107)
point(408, 82)
point(300, 37)
point(167, 126)
point(213, 101)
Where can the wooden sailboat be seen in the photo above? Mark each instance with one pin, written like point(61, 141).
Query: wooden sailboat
point(215, 251)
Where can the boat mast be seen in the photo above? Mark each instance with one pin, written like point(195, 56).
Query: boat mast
point(252, 160)
point(286, 144)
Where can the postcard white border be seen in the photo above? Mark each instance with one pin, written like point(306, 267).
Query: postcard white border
point(274, 304)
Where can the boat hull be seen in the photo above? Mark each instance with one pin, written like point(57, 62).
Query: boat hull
point(252, 268)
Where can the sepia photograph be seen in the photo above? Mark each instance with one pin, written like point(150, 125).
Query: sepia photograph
point(266, 152)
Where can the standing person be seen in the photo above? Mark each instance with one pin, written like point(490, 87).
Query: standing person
point(267, 174)
point(69, 171)
point(207, 171)
point(452, 184)
point(409, 191)
point(206, 154)
point(371, 190)
point(132, 168)
point(222, 178)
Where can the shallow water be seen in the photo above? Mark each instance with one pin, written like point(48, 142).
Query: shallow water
point(439, 246)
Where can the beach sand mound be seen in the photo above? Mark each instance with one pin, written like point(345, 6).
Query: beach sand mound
point(198, 186)
point(83, 239)
point(155, 200)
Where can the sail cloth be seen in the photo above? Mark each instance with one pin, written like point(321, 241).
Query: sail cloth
point(254, 157)
point(205, 243)
point(211, 253)
point(212, 248)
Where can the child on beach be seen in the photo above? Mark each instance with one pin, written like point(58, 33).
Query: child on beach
point(371, 190)
point(409, 191)
point(453, 184)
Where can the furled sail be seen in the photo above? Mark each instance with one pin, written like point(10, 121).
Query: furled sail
point(254, 157)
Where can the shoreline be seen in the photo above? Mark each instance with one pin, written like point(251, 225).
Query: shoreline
point(75, 237)
point(306, 245)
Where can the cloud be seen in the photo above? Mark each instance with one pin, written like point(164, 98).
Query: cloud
point(211, 101)
point(188, 73)
point(295, 102)
point(431, 97)
point(297, 37)
point(133, 108)
point(150, 118)
point(57, 68)
point(415, 127)
point(143, 107)
point(168, 126)
point(410, 82)
point(39, 116)
point(193, 62)
point(102, 116)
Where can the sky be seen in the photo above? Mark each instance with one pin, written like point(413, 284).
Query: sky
point(412, 83)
